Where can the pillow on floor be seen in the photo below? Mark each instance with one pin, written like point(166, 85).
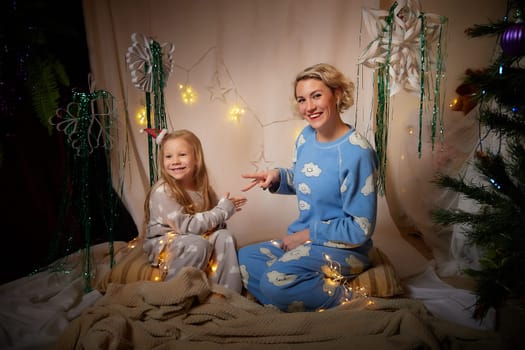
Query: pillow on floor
point(381, 280)
point(131, 266)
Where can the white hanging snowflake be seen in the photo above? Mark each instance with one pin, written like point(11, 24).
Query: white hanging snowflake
point(404, 53)
point(140, 61)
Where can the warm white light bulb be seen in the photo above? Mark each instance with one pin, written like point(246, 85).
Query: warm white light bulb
point(236, 112)
point(188, 95)
point(140, 117)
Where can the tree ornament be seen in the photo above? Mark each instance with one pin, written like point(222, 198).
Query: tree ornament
point(513, 40)
point(467, 98)
point(481, 155)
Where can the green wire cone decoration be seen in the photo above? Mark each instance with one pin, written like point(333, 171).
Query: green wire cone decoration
point(87, 122)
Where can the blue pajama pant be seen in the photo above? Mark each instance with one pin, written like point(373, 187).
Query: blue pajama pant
point(298, 280)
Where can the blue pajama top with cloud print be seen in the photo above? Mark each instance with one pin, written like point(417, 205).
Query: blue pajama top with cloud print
point(335, 187)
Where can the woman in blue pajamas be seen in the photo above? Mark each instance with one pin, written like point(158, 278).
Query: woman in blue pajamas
point(334, 178)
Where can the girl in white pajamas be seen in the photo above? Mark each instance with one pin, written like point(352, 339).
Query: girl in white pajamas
point(185, 221)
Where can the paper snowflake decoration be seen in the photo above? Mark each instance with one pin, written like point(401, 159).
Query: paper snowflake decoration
point(144, 57)
point(397, 40)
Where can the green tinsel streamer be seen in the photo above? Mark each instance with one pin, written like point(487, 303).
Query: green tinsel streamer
point(437, 110)
point(158, 85)
point(152, 174)
point(382, 111)
point(82, 160)
point(111, 219)
point(159, 118)
point(436, 99)
point(422, 70)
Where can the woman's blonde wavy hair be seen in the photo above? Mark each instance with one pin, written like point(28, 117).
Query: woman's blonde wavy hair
point(332, 78)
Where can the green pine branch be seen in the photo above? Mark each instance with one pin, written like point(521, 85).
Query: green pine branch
point(45, 78)
point(497, 227)
point(493, 28)
point(508, 125)
point(501, 82)
point(515, 11)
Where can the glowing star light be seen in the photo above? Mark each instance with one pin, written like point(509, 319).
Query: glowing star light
point(188, 95)
point(141, 116)
point(236, 112)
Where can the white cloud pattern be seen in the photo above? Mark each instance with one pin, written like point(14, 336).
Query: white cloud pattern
point(280, 279)
point(304, 189)
point(364, 224)
point(311, 169)
point(297, 253)
point(358, 140)
point(344, 187)
point(268, 253)
point(369, 185)
point(303, 205)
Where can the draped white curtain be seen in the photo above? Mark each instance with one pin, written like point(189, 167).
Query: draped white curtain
point(246, 53)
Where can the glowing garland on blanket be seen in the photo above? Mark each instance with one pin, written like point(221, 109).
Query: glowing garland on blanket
point(332, 272)
point(402, 52)
point(334, 278)
point(151, 64)
point(87, 122)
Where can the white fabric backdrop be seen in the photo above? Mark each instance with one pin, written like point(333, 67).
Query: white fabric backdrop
point(254, 48)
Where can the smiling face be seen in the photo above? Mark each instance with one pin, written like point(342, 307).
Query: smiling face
point(317, 104)
point(179, 162)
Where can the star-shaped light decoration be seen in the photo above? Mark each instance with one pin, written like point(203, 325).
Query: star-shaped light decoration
point(217, 91)
point(188, 94)
point(236, 112)
point(142, 58)
point(261, 164)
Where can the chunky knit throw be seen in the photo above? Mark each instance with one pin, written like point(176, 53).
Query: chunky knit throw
point(188, 312)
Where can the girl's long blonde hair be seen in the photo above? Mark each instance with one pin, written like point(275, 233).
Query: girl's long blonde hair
point(202, 181)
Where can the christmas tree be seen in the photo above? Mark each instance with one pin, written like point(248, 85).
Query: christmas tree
point(497, 228)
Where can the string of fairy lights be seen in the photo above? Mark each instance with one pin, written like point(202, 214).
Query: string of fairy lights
point(221, 88)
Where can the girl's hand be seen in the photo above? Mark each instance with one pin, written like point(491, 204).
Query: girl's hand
point(238, 202)
point(263, 179)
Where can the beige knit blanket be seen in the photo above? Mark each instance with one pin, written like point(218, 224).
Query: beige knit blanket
point(190, 313)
